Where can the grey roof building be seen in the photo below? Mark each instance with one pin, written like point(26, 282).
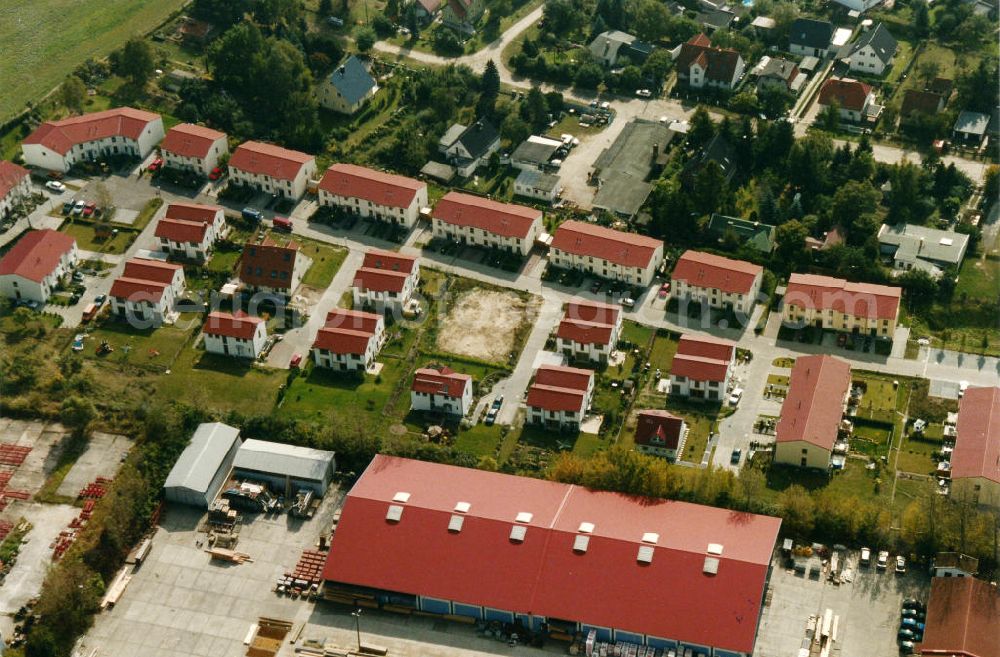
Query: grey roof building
point(609, 46)
point(532, 183)
point(919, 247)
point(622, 169)
point(203, 466)
point(535, 153)
point(808, 36)
point(970, 127)
point(348, 87)
point(879, 39)
point(285, 468)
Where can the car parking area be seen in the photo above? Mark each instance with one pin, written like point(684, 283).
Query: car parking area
point(868, 606)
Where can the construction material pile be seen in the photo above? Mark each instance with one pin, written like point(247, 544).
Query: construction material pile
point(95, 490)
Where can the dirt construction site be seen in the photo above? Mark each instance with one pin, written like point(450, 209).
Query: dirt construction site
point(483, 324)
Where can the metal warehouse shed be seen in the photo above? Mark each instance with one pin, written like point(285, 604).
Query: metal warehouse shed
point(204, 465)
point(285, 468)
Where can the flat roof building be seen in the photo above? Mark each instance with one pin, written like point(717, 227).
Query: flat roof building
point(285, 468)
point(203, 466)
point(450, 540)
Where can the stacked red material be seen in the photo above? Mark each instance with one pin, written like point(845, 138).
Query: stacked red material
point(67, 536)
point(13, 454)
point(95, 490)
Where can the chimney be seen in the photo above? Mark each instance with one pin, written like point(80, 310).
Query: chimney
point(920, 248)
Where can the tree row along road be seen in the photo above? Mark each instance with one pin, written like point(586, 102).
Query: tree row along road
point(627, 108)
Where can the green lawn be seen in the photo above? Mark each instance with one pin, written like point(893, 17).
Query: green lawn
point(220, 382)
point(786, 363)
point(147, 212)
point(979, 279)
point(881, 399)
point(86, 238)
point(777, 380)
point(662, 354)
point(915, 456)
point(148, 348)
point(871, 440)
point(326, 261)
point(638, 334)
point(223, 261)
point(323, 395)
point(480, 440)
point(47, 39)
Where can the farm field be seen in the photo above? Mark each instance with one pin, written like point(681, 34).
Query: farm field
point(55, 36)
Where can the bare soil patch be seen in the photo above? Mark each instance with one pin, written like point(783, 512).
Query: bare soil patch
point(482, 324)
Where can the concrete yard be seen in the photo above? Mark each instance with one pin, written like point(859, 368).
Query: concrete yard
point(181, 603)
point(869, 609)
point(46, 443)
point(101, 458)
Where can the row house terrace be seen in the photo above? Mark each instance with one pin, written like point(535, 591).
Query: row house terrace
point(478, 221)
point(349, 340)
point(272, 169)
point(190, 147)
point(373, 194)
point(607, 253)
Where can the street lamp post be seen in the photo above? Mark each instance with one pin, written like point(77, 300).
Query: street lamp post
point(357, 625)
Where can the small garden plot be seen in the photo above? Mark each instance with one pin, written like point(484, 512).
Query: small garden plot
point(87, 238)
point(871, 439)
point(881, 397)
point(326, 261)
point(483, 324)
point(143, 347)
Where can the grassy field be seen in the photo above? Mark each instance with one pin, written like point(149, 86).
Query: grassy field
point(157, 348)
point(979, 279)
point(47, 39)
point(86, 238)
point(230, 383)
point(326, 260)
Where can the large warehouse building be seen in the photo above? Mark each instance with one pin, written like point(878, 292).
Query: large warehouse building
point(285, 468)
point(204, 465)
point(450, 540)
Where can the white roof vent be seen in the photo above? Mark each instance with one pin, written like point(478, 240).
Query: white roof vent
point(580, 543)
point(714, 548)
point(651, 537)
point(711, 566)
point(645, 554)
point(517, 533)
point(523, 516)
point(394, 513)
point(463, 507)
point(586, 527)
point(401, 497)
point(455, 524)
point(947, 241)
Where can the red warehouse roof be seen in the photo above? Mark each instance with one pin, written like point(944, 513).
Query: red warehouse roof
point(135, 289)
point(181, 231)
point(193, 212)
point(269, 160)
point(151, 270)
point(541, 573)
point(963, 618)
point(848, 93)
point(716, 272)
point(390, 260)
point(699, 368)
point(343, 341)
point(592, 311)
point(658, 424)
point(11, 176)
point(584, 332)
point(190, 140)
point(855, 299)
point(440, 382)
point(386, 189)
point(239, 325)
point(706, 347)
point(504, 219)
point(379, 280)
point(36, 254)
point(977, 435)
point(813, 408)
point(354, 320)
point(61, 136)
point(625, 249)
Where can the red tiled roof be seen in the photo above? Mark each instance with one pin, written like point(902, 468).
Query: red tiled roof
point(925, 102)
point(719, 63)
point(390, 260)
point(239, 325)
point(268, 159)
point(269, 257)
point(706, 347)
point(559, 388)
point(963, 618)
point(542, 574)
point(11, 176)
point(190, 140)
point(848, 93)
point(699, 368)
point(658, 424)
point(856, 299)
point(192, 232)
point(573, 378)
point(813, 409)
point(61, 136)
point(592, 311)
point(354, 320)
point(386, 189)
point(151, 270)
point(379, 280)
point(343, 341)
point(712, 271)
point(440, 382)
point(504, 219)
point(583, 332)
point(977, 435)
point(193, 212)
point(36, 254)
point(136, 289)
point(626, 249)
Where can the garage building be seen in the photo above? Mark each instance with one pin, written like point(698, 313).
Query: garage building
point(204, 465)
point(285, 468)
point(556, 558)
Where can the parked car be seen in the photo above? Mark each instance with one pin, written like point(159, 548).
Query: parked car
point(913, 624)
point(100, 299)
point(913, 603)
point(78, 276)
point(282, 224)
point(67, 207)
point(736, 456)
point(643, 93)
point(56, 186)
point(596, 287)
point(296, 361)
point(883, 560)
point(900, 564)
point(866, 556)
point(923, 342)
point(79, 206)
point(90, 312)
point(215, 174)
point(89, 209)
point(735, 396)
point(628, 302)
point(913, 613)
point(155, 165)
point(335, 21)
point(906, 647)
point(252, 214)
